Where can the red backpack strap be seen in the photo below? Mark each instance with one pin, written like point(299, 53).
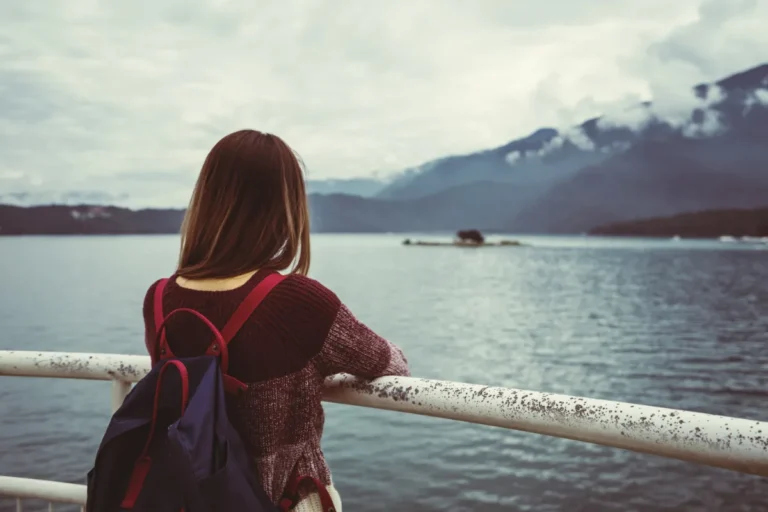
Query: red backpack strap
point(158, 302)
point(218, 347)
point(249, 305)
point(144, 462)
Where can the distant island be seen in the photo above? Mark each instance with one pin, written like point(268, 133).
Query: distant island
point(704, 224)
point(464, 238)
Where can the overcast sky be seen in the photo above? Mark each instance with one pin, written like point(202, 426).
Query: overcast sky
point(127, 97)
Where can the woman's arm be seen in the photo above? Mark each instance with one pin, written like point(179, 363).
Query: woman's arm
point(351, 347)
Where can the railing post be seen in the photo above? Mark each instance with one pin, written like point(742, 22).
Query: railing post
point(120, 390)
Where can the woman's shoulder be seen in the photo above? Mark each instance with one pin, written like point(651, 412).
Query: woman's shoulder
point(149, 300)
point(308, 292)
point(305, 308)
point(150, 293)
point(152, 287)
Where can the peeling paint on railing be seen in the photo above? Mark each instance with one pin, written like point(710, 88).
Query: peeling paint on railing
point(74, 365)
point(731, 443)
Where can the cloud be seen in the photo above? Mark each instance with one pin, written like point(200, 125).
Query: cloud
point(579, 139)
point(573, 135)
point(721, 38)
point(694, 115)
point(635, 117)
point(707, 124)
point(553, 144)
point(126, 98)
point(512, 157)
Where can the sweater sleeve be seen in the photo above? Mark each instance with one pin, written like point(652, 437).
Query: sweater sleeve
point(351, 347)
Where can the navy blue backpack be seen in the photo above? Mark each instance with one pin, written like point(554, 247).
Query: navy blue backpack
point(170, 447)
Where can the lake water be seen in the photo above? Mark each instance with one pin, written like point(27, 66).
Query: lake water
point(680, 325)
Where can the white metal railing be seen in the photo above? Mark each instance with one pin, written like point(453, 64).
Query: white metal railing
point(720, 441)
point(53, 492)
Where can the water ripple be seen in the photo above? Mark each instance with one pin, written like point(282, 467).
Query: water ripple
point(638, 321)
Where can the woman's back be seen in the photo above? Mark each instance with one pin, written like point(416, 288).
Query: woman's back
point(249, 217)
point(298, 335)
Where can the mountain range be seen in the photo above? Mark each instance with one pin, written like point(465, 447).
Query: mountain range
point(648, 161)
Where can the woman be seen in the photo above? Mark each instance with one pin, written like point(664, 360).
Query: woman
point(248, 218)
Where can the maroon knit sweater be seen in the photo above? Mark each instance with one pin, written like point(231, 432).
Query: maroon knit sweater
point(300, 334)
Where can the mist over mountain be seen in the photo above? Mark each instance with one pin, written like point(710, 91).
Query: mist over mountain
point(707, 150)
point(716, 159)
